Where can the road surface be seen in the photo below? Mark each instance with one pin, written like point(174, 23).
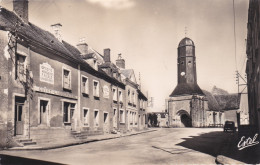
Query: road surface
point(163, 146)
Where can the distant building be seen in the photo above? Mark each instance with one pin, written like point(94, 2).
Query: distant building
point(187, 103)
point(158, 119)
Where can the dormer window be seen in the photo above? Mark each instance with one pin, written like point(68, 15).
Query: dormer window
point(95, 65)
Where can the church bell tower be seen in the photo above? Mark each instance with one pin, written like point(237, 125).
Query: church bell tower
point(187, 76)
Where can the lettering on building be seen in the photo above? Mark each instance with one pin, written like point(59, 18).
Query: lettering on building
point(46, 73)
point(105, 91)
point(54, 92)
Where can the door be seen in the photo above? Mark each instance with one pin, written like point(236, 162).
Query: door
point(19, 119)
point(43, 112)
point(106, 123)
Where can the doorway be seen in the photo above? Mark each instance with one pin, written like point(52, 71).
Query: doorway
point(19, 116)
point(186, 120)
point(43, 112)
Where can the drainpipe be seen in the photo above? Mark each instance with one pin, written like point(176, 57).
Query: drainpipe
point(29, 90)
point(79, 94)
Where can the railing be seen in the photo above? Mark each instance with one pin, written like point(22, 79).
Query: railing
point(216, 125)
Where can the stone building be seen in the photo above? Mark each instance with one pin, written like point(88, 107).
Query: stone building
point(253, 64)
point(52, 91)
point(187, 103)
point(136, 102)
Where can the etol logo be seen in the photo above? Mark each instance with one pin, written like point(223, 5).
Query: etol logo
point(244, 143)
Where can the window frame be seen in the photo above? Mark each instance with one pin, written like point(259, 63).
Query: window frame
point(18, 75)
point(96, 119)
point(86, 87)
point(48, 109)
point(120, 96)
point(70, 75)
point(69, 113)
point(114, 91)
point(84, 117)
point(96, 94)
point(122, 119)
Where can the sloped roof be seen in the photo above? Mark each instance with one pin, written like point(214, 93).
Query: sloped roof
point(212, 102)
point(127, 72)
point(141, 95)
point(10, 21)
point(186, 42)
point(109, 65)
point(228, 102)
point(186, 89)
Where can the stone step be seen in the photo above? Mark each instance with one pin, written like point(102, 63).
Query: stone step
point(29, 143)
point(24, 140)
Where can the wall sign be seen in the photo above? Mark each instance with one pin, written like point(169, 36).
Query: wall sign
point(46, 73)
point(105, 91)
point(54, 92)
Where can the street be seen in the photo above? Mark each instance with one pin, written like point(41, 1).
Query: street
point(164, 146)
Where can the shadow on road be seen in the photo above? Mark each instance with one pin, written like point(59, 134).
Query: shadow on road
point(209, 143)
point(14, 160)
point(220, 143)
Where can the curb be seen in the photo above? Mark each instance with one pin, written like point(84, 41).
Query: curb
point(225, 160)
point(76, 143)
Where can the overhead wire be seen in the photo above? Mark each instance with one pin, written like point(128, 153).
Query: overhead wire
point(235, 44)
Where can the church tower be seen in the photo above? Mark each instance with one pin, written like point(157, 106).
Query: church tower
point(187, 103)
point(187, 76)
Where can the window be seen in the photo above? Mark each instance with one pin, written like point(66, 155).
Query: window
point(122, 117)
point(133, 98)
point(105, 117)
point(66, 79)
point(96, 118)
point(114, 94)
point(44, 108)
point(129, 96)
point(114, 118)
point(20, 71)
point(95, 64)
point(86, 117)
point(96, 89)
point(68, 112)
point(84, 85)
point(120, 96)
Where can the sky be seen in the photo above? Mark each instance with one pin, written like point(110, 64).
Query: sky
point(147, 34)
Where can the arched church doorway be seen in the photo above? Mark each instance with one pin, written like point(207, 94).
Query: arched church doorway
point(185, 119)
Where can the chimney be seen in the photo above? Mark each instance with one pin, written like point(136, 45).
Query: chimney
point(56, 29)
point(107, 55)
point(20, 7)
point(82, 46)
point(120, 62)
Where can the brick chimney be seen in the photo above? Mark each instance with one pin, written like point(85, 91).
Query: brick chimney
point(56, 29)
point(20, 7)
point(107, 55)
point(120, 62)
point(82, 46)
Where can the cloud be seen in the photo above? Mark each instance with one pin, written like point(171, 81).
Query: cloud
point(114, 4)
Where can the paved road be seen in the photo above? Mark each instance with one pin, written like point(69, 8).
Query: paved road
point(164, 146)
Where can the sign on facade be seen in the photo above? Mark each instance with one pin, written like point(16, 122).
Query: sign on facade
point(46, 73)
point(105, 91)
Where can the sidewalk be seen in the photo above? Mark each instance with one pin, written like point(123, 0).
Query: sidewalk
point(63, 143)
point(231, 155)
